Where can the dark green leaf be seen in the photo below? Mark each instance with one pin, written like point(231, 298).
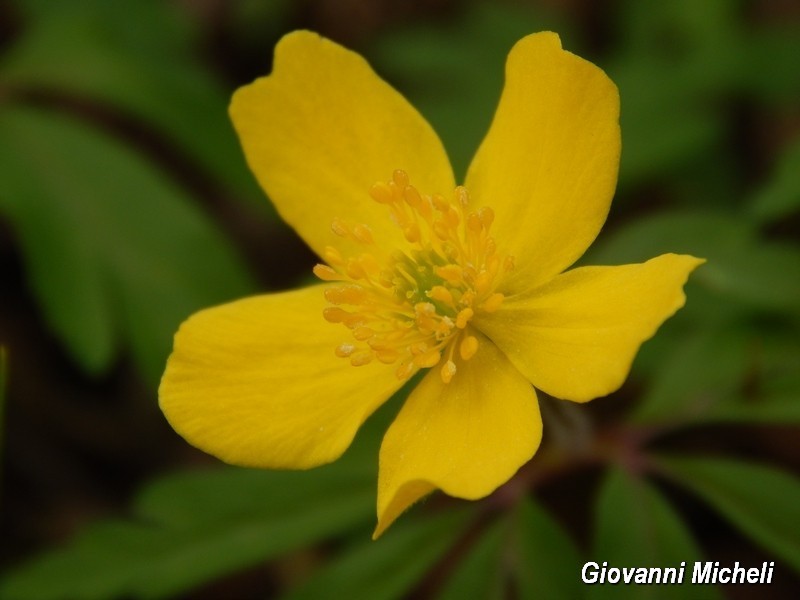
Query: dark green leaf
point(389, 567)
point(740, 267)
point(111, 246)
point(454, 75)
point(695, 376)
point(761, 501)
point(94, 49)
point(781, 195)
point(481, 573)
point(637, 527)
point(547, 562)
point(194, 527)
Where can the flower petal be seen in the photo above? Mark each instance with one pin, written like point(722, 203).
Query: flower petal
point(548, 165)
point(256, 383)
point(466, 437)
point(322, 129)
point(576, 337)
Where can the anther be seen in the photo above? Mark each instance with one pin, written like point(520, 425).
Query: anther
point(362, 358)
point(381, 193)
point(344, 350)
point(325, 273)
point(363, 234)
point(468, 347)
point(463, 317)
point(427, 360)
point(493, 302)
point(448, 370)
point(339, 227)
point(400, 178)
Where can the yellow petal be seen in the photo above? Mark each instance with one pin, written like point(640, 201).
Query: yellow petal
point(576, 337)
point(548, 165)
point(322, 129)
point(465, 437)
point(256, 383)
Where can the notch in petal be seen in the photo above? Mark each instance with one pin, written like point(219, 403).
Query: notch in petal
point(549, 162)
point(322, 129)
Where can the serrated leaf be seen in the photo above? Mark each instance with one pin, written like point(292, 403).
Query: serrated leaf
point(637, 527)
point(759, 500)
point(548, 560)
point(113, 249)
point(389, 567)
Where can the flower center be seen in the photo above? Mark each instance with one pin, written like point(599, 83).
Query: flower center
point(414, 308)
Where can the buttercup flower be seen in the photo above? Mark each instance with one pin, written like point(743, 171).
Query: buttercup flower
point(466, 283)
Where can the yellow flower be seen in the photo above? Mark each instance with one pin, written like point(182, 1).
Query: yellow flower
point(467, 282)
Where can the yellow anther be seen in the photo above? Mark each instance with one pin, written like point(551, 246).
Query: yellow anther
point(344, 350)
point(412, 233)
point(440, 294)
point(450, 273)
point(388, 356)
point(381, 193)
point(400, 178)
point(345, 294)
point(325, 273)
point(468, 347)
point(339, 227)
point(333, 314)
point(363, 333)
point(427, 360)
point(487, 216)
point(363, 234)
point(362, 358)
point(424, 309)
point(483, 281)
point(441, 230)
point(463, 317)
point(448, 370)
point(418, 348)
point(333, 256)
point(412, 196)
point(404, 371)
point(439, 202)
point(493, 302)
point(451, 217)
point(474, 222)
point(508, 264)
point(462, 196)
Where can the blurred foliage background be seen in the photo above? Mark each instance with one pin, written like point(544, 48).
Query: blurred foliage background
point(125, 205)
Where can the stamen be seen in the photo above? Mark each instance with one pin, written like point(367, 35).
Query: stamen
point(414, 307)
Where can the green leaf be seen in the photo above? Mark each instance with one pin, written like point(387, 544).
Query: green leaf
point(454, 74)
point(760, 501)
point(548, 560)
point(391, 566)
point(480, 574)
point(637, 527)
point(739, 267)
point(95, 50)
point(113, 249)
point(695, 376)
point(781, 195)
point(194, 527)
